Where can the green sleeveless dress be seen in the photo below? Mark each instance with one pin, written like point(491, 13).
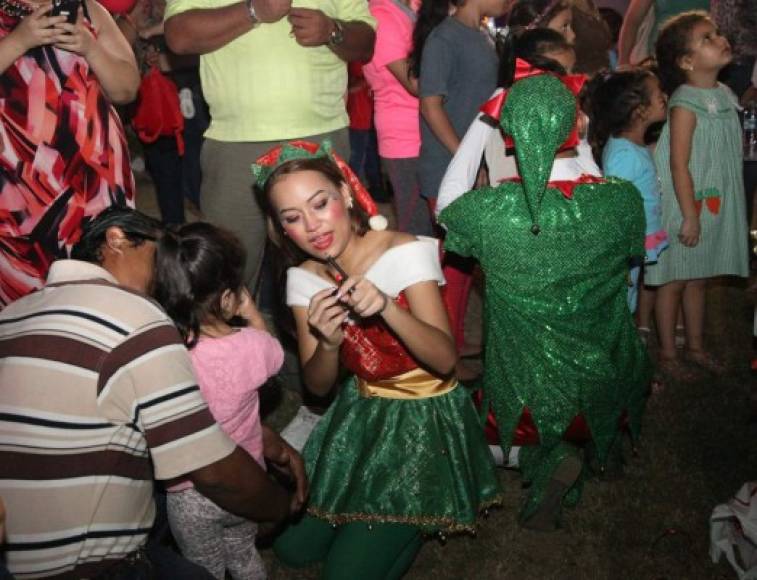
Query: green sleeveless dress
point(716, 166)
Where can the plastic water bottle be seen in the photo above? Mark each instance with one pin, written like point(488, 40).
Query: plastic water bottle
point(750, 130)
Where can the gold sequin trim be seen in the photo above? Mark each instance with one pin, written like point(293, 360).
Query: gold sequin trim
point(445, 524)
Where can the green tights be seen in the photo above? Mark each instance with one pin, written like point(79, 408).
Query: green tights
point(349, 551)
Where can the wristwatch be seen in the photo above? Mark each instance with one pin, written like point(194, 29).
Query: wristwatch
point(337, 35)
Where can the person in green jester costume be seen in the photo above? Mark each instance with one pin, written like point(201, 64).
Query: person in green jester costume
point(563, 364)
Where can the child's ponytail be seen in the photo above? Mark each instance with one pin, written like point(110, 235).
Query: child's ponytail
point(430, 15)
point(611, 99)
point(530, 45)
point(173, 288)
point(196, 264)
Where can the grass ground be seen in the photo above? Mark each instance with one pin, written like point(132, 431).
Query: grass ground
point(653, 524)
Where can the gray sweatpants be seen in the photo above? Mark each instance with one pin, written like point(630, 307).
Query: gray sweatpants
point(412, 211)
point(213, 538)
point(227, 197)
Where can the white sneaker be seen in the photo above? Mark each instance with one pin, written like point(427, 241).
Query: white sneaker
point(186, 104)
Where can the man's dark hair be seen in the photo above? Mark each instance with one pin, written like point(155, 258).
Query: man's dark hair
point(137, 228)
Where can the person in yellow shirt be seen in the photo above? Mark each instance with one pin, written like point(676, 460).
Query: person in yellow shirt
point(271, 71)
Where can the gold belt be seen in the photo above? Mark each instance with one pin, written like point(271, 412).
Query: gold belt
point(414, 384)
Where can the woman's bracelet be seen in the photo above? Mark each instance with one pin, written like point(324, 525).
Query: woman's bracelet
point(251, 11)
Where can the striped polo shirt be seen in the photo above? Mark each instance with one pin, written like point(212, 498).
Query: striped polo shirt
point(97, 398)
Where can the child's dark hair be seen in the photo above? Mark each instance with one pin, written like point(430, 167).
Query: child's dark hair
point(614, 21)
point(534, 13)
point(196, 264)
point(672, 45)
point(611, 101)
point(531, 46)
point(430, 15)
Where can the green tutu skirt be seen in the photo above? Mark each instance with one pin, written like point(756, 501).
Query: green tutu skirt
point(422, 462)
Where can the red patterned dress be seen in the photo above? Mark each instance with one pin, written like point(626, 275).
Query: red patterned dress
point(63, 157)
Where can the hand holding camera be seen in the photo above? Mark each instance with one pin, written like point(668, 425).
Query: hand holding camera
point(67, 8)
point(73, 34)
point(36, 29)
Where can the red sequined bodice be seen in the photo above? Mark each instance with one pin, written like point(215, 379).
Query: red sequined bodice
point(371, 350)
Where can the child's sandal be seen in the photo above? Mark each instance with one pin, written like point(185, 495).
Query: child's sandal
point(680, 337)
point(672, 369)
point(706, 361)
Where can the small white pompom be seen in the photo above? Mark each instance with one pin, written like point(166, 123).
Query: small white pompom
point(378, 222)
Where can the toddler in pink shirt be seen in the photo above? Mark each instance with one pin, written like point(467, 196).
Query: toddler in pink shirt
point(200, 284)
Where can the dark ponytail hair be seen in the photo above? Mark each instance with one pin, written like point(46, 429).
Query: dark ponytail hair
point(611, 99)
point(430, 15)
point(534, 13)
point(673, 44)
point(529, 45)
point(195, 265)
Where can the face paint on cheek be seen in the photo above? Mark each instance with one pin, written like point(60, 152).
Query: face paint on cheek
point(337, 210)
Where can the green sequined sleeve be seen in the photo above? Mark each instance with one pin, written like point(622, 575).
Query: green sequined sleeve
point(464, 219)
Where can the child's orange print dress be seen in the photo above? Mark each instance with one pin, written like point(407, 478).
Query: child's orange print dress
point(63, 157)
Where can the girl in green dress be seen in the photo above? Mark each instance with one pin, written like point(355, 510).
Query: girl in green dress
point(699, 161)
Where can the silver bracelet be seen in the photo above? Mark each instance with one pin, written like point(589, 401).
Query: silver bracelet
point(251, 11)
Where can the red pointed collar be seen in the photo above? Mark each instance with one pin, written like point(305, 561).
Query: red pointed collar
point(566, 187)
point(493, 107)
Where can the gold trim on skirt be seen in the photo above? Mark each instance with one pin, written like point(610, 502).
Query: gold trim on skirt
point(415, 384)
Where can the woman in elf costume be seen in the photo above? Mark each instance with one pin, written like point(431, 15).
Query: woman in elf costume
point(401, 452)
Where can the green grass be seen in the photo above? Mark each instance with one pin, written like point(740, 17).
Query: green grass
point(653, 524)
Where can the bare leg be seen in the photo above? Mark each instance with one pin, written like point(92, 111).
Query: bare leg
point(646, 302)
point(666, 311)
point(680, 328)
point(693, 311)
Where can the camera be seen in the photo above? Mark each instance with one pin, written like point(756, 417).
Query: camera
point(67, 8)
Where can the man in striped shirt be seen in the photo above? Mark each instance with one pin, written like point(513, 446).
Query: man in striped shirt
point(97, 398)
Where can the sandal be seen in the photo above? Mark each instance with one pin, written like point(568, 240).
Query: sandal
point(644, 334)
point(673, 369)
point(706, 361)
point(657, 385)
point(680, 337)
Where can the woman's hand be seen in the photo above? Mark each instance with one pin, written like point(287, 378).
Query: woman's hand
point(75, 37)
point(690, 231)
point(37, 29)
point(362, 297)
point(326, 314)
